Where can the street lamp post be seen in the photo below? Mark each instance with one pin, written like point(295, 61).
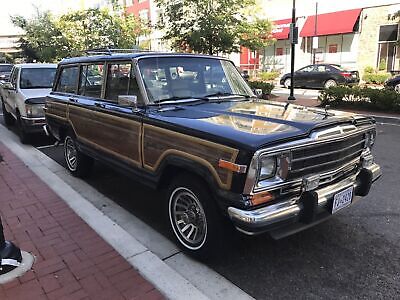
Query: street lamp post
point(293, 41)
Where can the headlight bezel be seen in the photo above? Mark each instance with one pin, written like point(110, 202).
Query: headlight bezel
point(273, 168)
point(34, 110)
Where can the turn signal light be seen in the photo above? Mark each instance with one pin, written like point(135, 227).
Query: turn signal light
point(261, 198)
point(231, 166)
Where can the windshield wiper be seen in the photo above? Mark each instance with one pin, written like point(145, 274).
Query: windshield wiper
point(176, 99)
point(222, 94)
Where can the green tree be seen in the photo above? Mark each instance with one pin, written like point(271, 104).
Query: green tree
point(43, 41)
point(206, 26)
point(50, 39)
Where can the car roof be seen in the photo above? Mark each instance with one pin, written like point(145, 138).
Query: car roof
point(3, 64)
point(129, 56)
point(36, 66)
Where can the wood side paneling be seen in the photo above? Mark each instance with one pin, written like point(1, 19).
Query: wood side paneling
point(158, 143)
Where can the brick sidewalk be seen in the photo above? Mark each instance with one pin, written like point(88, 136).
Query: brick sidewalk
point(72, 260)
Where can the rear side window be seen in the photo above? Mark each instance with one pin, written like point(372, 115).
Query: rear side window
point(91, 80)
point(67, 81)
point(121, 81)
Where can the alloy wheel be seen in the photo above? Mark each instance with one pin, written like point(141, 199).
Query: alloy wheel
point(397, 88)
point(70, 153)
point(187, 218)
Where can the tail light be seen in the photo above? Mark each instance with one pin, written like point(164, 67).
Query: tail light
point(346, 74)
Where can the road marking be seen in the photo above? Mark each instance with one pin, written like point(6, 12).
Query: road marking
point(398, 125)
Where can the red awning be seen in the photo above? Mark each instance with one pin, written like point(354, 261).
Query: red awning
point(332, 23)
point(281, 28)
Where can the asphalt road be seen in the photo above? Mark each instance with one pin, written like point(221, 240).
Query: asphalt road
point(355, 254)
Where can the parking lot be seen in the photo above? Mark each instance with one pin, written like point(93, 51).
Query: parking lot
point(354, 254)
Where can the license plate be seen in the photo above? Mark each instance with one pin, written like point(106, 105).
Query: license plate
point(342, 199)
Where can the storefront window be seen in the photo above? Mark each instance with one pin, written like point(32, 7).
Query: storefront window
point(279, 51)
point(333, 48)
point(387, 49)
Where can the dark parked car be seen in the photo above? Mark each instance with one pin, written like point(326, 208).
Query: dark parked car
point(191, 126)
point(5, 71)
point(393, 83)
point(321, 76)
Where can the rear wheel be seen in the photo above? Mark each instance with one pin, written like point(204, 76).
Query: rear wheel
point(330, 83)
point(8, 118)
point(79, 164)
point(397, 88)
point(194, 218)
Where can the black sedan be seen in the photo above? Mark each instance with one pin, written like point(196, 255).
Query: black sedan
point(393, 83)
point(321, 76)
point(5, 71)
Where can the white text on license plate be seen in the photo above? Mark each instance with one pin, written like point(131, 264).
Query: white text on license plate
point(342, 199)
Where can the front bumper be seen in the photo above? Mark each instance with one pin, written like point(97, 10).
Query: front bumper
point(32, 125)
point(293, 215)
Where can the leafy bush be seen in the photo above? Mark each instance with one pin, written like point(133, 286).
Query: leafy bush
point(265, 76)
point(264, 86)
point(369, 70)
point(363, 98)
point(376, 78)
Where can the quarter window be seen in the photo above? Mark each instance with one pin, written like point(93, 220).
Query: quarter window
point(91, 80)
point(121, 81)
point(67, 81)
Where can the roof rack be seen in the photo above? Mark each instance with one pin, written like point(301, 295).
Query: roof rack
point(110, 51)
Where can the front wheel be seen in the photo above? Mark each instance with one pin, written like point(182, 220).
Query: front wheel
point(287, 83)
point(24, 137)
point(8, 118)
point(79, 164)
point(193, 216)
point(330, 83)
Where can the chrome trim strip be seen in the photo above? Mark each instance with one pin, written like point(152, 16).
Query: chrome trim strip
point(328, 153)
point(33, 119)
point(265, 215)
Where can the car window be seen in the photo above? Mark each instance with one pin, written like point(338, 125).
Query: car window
point(307, 69)
point(5, 68)
point(321, 69)
point(14, 76)
point(91, 80)
point(185, 77)
point(68, 79)
point(121, 81)
point(37, 78)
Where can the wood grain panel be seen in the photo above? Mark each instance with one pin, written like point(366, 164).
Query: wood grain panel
point(159, 143)
point(115, 135)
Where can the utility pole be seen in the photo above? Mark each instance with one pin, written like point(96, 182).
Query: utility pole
point(315, 31)
point(293, 41)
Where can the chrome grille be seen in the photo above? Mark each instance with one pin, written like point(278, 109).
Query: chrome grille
point(326, 156)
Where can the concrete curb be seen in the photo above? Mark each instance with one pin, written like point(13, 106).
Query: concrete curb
point(169, 282)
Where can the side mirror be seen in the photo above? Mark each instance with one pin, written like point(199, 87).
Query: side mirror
point(8, 86)
point(128, 101)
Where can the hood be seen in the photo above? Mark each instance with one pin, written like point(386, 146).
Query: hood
point(35, 93)
point(251, 124)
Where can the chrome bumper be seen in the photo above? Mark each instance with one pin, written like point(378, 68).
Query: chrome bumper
point(266, 218)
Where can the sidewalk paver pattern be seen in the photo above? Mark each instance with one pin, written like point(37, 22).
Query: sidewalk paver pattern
point(72, 260)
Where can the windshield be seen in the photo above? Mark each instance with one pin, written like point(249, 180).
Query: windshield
point(5, 68)
point(176, 78)
point(37, 78)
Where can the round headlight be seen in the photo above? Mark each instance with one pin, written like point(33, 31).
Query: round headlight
point(267, 167)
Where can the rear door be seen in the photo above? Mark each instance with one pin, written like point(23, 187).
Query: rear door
point(108, 127)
